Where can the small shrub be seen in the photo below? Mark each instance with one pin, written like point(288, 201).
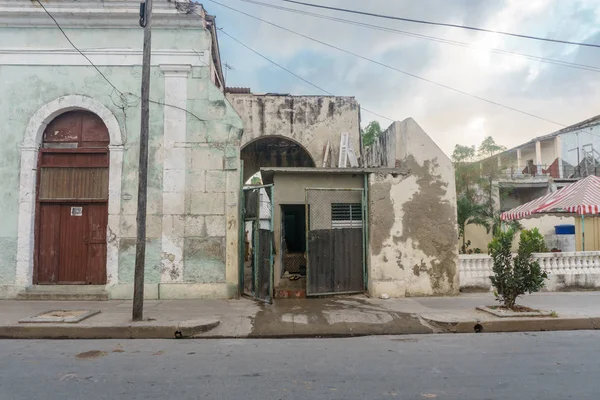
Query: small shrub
point(515, 276)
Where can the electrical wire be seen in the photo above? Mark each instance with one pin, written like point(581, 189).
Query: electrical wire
point(296, 75)
point(426, 37)
point(393, 68)
point(418, 21)
point(121, 94)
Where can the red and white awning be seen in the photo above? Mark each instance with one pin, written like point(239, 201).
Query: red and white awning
point(527, 209)
point(580, 198)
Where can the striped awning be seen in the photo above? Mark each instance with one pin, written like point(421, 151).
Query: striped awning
point(580, 198)
point(527, 209)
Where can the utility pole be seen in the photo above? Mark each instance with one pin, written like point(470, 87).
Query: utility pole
point(140, 245)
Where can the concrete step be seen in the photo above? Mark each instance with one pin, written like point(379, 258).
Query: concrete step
point(64, 292)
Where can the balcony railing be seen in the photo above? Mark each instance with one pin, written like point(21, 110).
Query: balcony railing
point(553, 171)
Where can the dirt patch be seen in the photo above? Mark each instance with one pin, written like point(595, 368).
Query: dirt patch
point(90, 355)
point(516, 308)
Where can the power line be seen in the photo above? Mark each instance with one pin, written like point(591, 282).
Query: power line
point(294, 74)
point(418, 21)
point(393, 68)
point(426, 37)
point(121, 94)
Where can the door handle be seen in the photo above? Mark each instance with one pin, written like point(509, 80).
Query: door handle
point(85, 240)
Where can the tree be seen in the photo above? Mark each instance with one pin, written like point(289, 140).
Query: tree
point(489, 170)
point(469, 213)
point(466, 171)
point(519, 275)
point(371, 133)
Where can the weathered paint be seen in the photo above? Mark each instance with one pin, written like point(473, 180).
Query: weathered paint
point(201, 173)
point(412, 217)
point(310, 121)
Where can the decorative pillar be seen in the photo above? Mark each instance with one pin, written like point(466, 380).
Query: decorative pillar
point(113, 232)
point(174, 171)
point(558, 155)
point(538, 156)
point(24, 271)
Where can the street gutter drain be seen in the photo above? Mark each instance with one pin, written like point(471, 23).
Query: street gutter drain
point(60, 316)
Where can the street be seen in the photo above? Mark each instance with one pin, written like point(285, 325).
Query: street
point(542, 365)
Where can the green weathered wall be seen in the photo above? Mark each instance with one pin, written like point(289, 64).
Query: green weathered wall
point(24, 89)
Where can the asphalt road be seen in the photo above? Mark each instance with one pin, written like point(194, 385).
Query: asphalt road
point(545, 365)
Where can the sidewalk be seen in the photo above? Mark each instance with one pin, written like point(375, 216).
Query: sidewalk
point(319, 317)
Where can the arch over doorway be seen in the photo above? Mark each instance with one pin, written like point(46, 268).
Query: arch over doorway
point(28, 177)
point(274, 151)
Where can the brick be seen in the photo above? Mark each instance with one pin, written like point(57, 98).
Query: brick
point(175, 158)
point(195, 181)
point(215, 225)
point(207, 203)
point(173, 203)
point(216, 181)
point(194, 226)
point(206, 159)
point(174, 180)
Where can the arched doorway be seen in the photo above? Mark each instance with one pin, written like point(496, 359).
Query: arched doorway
point(273, 151)
point(72, 201)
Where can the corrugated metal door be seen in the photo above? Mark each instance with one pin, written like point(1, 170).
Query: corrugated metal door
point(72, 201)
point(335, 241)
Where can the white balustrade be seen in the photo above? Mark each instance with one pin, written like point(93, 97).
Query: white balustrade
point(475, 269)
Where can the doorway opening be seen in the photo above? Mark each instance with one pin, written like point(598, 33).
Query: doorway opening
point(72, 201)
point(293, 242)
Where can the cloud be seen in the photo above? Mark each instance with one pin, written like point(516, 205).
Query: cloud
point(555, 92)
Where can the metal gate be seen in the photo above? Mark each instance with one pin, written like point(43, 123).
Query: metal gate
point(257, 228)
point(335, 241)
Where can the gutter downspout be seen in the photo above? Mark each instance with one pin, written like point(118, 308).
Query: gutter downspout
point(366, 230)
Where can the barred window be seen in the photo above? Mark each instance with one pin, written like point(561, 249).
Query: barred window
point(346, 215)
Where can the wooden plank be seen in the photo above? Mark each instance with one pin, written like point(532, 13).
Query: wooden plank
point(263, 284)
point(48, 246)
point(73, 245)
point(96, 253)
point(93, 131)
point(64, 128)
point(326, 154)
point(343, 156)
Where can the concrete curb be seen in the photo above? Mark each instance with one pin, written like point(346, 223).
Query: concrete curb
point(139, 330)
point(515, 324)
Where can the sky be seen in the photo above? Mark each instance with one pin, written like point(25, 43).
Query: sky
point(553, 92)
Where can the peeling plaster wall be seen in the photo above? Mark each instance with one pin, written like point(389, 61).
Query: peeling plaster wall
point(199, 205)
point(311, 121)
point(412, 218)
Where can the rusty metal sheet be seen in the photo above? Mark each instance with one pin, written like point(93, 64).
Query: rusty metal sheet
point(73, 184)
point(335, 261)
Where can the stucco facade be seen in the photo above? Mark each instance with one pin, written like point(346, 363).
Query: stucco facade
point(412, 215)
point(308, 121)
point(193, 180)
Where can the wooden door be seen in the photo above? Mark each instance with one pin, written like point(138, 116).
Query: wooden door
point(73, 246)
point(72, 201)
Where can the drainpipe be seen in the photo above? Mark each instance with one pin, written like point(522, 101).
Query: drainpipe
point(366, 229)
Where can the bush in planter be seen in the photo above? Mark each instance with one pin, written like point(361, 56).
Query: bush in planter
point(514, 276)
